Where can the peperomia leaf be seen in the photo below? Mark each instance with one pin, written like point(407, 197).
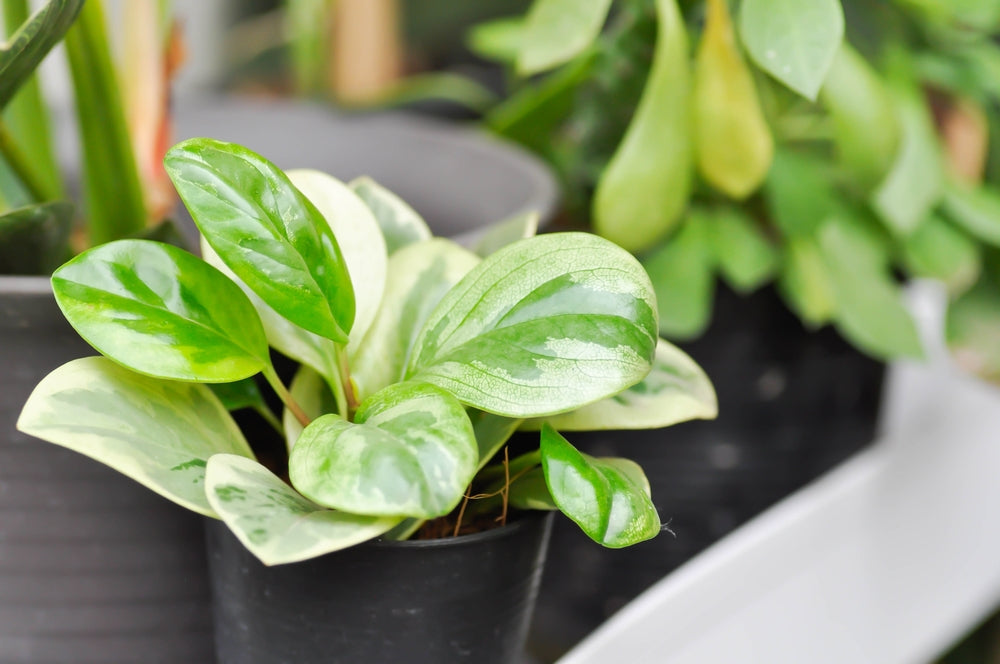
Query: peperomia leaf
point(683, 277)
point(410, 452)
point(158, 432)
point(805, 282)
point(505, 232)
point(267, 232)
point(492, 433)
point(675, 390)
point(358, 236)
point(745, 256)
point(976, 210)
point(556, 31)
point(312, 393)
point(608, 498)
point(937, 250)
point(419, 275)
point(35, 239)
point(401, 225)
point(542, 326)
point(799, 194)
point(161, 311)
point(24, 51)
point(530, 492)
point(793, 41)
point(274, 522)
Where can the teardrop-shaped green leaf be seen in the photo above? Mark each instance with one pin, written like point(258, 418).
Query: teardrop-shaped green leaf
point(608, 498)
point(35, 239)
point(644, 189)
point(160, 433)
point(743, 254)
point(543, 326)
point(676, 390)
point(419, 275)
point(733, 142)
point(556, 31)
point(162, 312)
point(267, 232)
point(27, 47)
point(799, 193)
point(976, 210)
point(273, 521)
point(794, 41)
point(937, 250)
point(401, 225)
point(410, 452)
point(805, 282)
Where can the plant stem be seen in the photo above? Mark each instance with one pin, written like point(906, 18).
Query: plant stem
point(270, 418)
point(19, 163)
point(343, 391)
point(279, 388)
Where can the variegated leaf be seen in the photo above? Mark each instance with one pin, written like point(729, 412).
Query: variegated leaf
point(410, 452)
point(273, 521)
point(543, 326)
point(675, 390)
point(419, 276)
point(608, 498)
point(505, 232)
point(158, 432)
point(401, 225)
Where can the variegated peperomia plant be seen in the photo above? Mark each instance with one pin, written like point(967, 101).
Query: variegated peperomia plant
point(418, 360)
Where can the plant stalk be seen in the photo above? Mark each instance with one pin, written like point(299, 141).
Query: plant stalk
point(19, 163)
point(286, 397)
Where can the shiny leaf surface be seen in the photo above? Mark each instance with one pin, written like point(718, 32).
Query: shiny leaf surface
point(410, 452)
point(267, 232)
point(542, 326)
point(608, 498)
point(161, 311)
point(273, 521)
point(160, 433)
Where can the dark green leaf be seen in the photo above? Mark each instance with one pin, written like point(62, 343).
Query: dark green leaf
point(608, 498)
point(162, 312)
point(35, 239)
point(267, 232)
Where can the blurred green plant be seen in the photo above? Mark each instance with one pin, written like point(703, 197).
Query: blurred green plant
point(831, 148)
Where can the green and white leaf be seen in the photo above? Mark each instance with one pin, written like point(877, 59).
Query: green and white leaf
point(275, 523)
point(794, 41)
point(160, 433)
point(682, 272)
point(745, 257)
point(915, 182)
point(608, 498)
point(162, 312)
point(505, 232)
point(401, 225)
point(676, 390)
point(267, 232)
point(359, 238)
point(545, 325)
point(410, 452)
point(312, 393)
point(556, 31)
point(976, 210)
point(419, 275)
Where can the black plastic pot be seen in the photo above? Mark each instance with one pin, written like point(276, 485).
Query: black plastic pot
point(94, 568)
point(464, 599)
point(792, 405)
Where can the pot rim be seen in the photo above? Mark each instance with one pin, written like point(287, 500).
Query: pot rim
point(523, 521)
point(18, 284)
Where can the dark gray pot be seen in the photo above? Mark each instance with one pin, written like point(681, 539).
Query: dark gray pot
point(94, 568)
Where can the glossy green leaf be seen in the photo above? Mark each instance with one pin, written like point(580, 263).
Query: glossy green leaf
point(162, 312)
point(273, 521)
point(505, 232)
point(359, 237)
point(267, 232)
point(542, 326)
point(870, 310)
point(21, 54)
point(35, 239)
point(160, 433)
point(115, 202)
point(939, 251)
point(311, 391)
point(411, 451)
point(676, 390)
point(419, 275)
point(682, 275)
point(799, 194)
point(499, 40)
point(556, 31)
point(744, 255)
point(530, 492)
point(805, 282)
point(794, 41)
point(915, 183)
point(976, 210)
point(401, 225)
point(608, 498)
